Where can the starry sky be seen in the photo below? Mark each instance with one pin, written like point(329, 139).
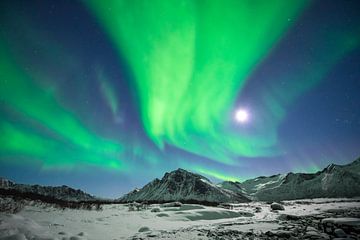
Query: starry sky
point(107, 95)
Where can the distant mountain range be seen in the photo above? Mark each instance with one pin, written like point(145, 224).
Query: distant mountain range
point(64, 193)
point(334, 181)
point(180, 185)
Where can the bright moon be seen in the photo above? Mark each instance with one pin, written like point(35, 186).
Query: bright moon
point(241, 116)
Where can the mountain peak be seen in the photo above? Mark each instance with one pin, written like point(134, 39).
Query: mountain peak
point(356, 161)
point(182, 173)
point(330, 167)
point(333, 181)
point(178, 171)
point(5, 183)
point(185, 186)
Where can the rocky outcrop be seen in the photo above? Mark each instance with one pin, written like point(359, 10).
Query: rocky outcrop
point(332, 182)
point(181, 185)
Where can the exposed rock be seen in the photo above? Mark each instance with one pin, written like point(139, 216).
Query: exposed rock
point(232, 186)
point(181, 185)
point(258, 209)
point(155, 210)
point(283, 234)
point(277, 206)
point(339, 233)
point(333, 181)
point(346, 224)
point(311, 229)
point(162, 215)
point(312, 234)
point(288, 217)
point(75, 238)
point(172, 204)
point(144, 229)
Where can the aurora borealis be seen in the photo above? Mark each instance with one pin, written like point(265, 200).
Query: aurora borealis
point(115, 93)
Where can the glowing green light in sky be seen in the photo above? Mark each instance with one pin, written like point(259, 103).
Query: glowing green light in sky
point(190, 59)
point(109, 93)
point(312, 168)
point(213, 173)
point(74, 143)
point(184, 99)
point(15, 140)
point(217, 175)
point(52, 154)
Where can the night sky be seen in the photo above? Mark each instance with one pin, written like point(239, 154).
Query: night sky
point(107, 95)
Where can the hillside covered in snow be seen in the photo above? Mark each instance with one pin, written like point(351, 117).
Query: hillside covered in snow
point(181, 185)
point(334, 181)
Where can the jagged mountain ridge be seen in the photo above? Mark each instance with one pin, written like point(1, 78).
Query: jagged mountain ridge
point(58, 192)
point(333, 181)
point(232, 186)
point(181, 185)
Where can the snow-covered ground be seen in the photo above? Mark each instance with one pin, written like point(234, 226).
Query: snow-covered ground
point(185, 222)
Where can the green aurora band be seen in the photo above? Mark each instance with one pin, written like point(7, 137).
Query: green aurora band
point(55, 130)
point(108, 93)
point(213, 173)
point(190, 60)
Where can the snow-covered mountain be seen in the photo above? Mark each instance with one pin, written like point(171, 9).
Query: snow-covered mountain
point(5, 183)
point(232, 186)
point(59, 192)
point(333, 181)
point(181, 185)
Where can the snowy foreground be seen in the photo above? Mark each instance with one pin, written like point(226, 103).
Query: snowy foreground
point(302, 219)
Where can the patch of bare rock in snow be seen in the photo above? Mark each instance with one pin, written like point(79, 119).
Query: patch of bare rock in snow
point(302, 219)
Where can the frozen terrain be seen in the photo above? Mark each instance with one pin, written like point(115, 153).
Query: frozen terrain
point(38, 213)
point(301, 219)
